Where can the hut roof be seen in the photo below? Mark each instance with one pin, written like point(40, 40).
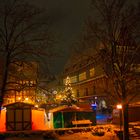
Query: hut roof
point(65, 108)
point(22, 103)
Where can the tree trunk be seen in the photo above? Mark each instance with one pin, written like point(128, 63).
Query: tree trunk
point(125, 111)
point(125, 122)
point(4, 80)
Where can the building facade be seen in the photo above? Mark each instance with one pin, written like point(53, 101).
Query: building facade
point(22, 83)
point(89, 82)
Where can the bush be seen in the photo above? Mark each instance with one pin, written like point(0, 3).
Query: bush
point(98, 133)
point(50, 136)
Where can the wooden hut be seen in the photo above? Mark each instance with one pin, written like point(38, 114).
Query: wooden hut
point(23, 116)
point(64, 117)
point(3, 120)
point(18, 116)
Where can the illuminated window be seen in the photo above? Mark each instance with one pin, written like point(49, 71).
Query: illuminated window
point(92, 72)
point(82, 76)
point(24, 92)
point(27, 82)
point(73, 79)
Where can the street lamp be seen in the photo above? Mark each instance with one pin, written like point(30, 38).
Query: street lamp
point(119, 107)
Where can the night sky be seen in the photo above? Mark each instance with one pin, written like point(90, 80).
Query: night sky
point(67, 19)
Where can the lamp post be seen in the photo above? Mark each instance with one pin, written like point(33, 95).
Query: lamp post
point(119, 107)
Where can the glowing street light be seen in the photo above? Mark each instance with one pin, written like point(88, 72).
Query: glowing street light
point(119, 107)
point(36, 106)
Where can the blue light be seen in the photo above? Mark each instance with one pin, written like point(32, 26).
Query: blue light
point(94, 106)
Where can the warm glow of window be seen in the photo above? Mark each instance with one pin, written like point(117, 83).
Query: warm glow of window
point(92, 72)
point(82, 76)
point(73, 79)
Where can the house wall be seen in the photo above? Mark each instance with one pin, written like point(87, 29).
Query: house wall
point(3, 120)
point(25, 78)
point(39, 119)
point(133, 112)
point(49, 121)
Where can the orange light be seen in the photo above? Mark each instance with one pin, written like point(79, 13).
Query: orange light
point(36, 106)
point(19, 98)
point(26, 99)
point(119, 106)
point(60, 96)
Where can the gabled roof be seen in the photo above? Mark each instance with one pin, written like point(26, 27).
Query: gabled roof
point(21, 103)
point(66, 108)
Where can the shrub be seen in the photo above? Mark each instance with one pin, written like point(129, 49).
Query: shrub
point(50, 136)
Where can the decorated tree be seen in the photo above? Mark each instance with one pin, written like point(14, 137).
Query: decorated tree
point(46, 97)
point(68, 97)
point(40, 97)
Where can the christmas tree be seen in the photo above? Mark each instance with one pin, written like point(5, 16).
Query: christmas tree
point(68, 97)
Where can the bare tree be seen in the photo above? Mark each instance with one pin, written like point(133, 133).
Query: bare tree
point(24, 37)
point(117, 29)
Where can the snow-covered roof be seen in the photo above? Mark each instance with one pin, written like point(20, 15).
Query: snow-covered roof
point(66, 108)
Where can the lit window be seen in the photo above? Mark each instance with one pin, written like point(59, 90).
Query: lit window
point(73, 79)
point(92, 72)
point(82, 76)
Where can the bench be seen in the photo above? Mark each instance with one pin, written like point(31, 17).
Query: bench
point(82, 123)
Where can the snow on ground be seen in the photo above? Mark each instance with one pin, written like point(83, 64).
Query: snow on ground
point(82, 135)
point(75, 136)
point(88, 136)
point(108, 129)
point(71, 134)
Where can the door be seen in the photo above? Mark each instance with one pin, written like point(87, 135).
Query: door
point(57, 120)
point(18, 119)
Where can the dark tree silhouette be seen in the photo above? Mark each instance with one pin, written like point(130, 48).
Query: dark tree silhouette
point(24, 37)
point(117, 30)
